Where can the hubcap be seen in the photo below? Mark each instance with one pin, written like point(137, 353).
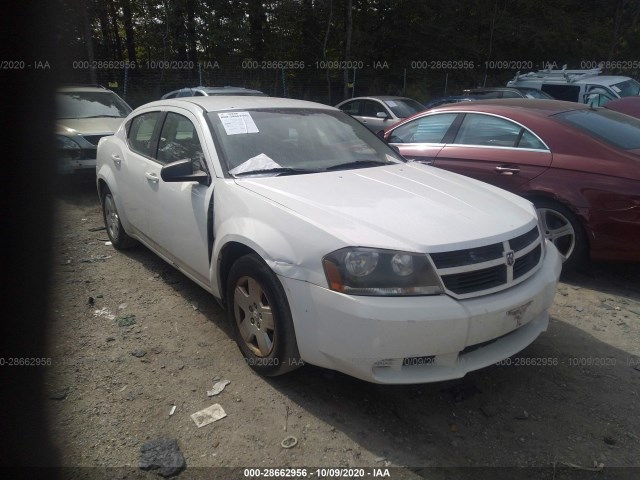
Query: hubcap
point(252, 311)
point(557, 228)
point(111, 217)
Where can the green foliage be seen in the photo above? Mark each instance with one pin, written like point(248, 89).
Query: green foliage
point(395, 33)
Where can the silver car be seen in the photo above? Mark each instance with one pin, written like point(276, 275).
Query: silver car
point(85, 114)
point(380, 112)
point(211, 91)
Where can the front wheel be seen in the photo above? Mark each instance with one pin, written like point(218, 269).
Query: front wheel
point(562, 228)
point(261, 318)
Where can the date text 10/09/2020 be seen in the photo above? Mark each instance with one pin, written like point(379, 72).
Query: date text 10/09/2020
point(256, 473)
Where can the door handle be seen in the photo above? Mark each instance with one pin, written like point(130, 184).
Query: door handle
point(152, 177)
point(504, 170)
point(116, 159)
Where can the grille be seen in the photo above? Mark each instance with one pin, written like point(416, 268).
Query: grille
point(475, 280)
point(486, 269)
point(524, 240)
point(468, 256)
point(525, 263)
point(93, 139)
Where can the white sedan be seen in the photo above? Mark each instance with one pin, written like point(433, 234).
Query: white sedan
point(324, 244)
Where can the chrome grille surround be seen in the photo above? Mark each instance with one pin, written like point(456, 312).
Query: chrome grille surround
point(487, 269)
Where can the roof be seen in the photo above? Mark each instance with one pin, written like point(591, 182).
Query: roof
point(492, 89)
point(537, 106)
point(227, 89)
point(229, 102)
point(382, 97)
point(82, 88)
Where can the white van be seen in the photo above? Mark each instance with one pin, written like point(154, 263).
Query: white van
point(584, 86)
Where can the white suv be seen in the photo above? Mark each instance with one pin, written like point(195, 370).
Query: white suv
point(583, 86)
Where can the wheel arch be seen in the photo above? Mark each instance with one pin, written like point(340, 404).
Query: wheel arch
point(579, 215)
point(102, 186)
point(548, 197)
point(228, 255)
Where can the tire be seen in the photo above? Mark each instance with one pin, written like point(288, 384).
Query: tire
point(119, 238)
point(563, 229)
point(261, 318)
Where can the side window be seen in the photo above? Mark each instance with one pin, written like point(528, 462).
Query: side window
point(371, 109)
point(486, 130)
point(352, 108)
point(141, 133)
point(430, 129)
point(173, 95)
point(598, 96)
point(529, 140)
point(179, 140)
point(571, 93)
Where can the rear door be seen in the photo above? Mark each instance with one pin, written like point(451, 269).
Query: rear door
point(142, 135)
point(495, 150)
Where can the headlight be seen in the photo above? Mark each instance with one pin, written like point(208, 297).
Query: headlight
point(371, 271)
point(68, 147)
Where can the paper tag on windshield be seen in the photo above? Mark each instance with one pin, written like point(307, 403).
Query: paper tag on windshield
point(236, 123)
point(391, 103)
point(259, 162)
point(615, 89)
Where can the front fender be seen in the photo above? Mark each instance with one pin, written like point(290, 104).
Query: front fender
point(289, 243)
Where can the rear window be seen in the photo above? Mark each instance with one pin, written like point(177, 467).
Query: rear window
point(620, 130)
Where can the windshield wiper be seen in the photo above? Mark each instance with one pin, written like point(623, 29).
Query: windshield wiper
point(277, 171)
point(358, 164)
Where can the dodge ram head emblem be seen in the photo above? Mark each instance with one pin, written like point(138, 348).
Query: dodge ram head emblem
point(511, 258)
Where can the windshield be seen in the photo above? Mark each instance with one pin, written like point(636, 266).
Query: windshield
point(287, 141)
point(90, 105)
point(628, 88)
point(404, 107)
point(615, 128)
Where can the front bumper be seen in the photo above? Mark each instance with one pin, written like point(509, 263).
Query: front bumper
point(68, 166)
point(419, 339)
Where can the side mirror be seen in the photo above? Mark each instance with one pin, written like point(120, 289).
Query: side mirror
point(382, 115)
point(182, 171)
point(380, 134)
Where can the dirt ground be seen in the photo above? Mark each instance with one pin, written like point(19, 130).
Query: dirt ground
point(569, 400)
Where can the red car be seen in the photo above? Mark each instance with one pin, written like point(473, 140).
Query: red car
point(626, 105)
point(579, 165)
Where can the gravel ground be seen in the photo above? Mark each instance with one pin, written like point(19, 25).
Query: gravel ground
point(131, 338)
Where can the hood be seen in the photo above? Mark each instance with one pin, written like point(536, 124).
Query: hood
point(88, 126)
point(407, 207)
